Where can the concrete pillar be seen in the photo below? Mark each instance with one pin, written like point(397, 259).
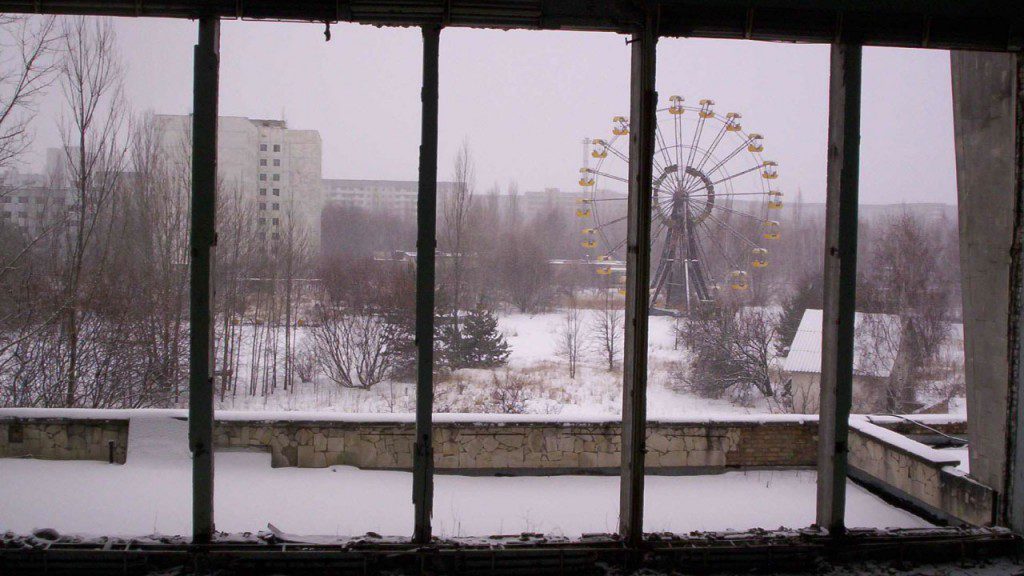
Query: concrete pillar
point(840, 282)
point(983, 121)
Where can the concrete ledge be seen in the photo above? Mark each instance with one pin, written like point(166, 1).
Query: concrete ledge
point(922, 478)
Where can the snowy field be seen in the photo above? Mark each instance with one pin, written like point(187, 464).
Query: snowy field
point(533, 340)
point(141, 498)
point(151, 494)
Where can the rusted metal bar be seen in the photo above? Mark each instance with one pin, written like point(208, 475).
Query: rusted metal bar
point(203, 241)
point(643, 105)
point(426, 241)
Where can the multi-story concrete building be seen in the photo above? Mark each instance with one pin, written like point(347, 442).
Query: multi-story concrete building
point(274, 169)
point(397, 197)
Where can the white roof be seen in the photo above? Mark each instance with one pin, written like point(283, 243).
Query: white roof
point(875, 344)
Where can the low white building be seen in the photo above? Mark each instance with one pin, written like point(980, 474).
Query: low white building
point(876, 359)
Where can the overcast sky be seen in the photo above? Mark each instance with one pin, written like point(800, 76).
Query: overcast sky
point(525, 100)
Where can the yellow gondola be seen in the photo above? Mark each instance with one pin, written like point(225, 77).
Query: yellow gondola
point(770, 171)
point(583, 212)
point(771, 230)
point(705, 108)
point(585, 179)
point(589, 243)
point(732, 123)
point(622, 291)
point(604, 258)
point(604, 270)
point(677, 105)
point(775, 204)
point(588, 231)
point(583, 200)
point(759, 258)
point(623, 126)
point(756, 143)
point(738, 280)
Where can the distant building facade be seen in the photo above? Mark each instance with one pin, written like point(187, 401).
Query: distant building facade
point(276, 169)
point(396, 197)
point(32, 203)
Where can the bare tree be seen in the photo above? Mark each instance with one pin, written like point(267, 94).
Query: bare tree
point(95, 151)
point(733, 350)
point(28, 58)
point(910, 275)
point(355, 348)
point(522, 266)
point(570, 335)
point(607, 328)
point(456, 233)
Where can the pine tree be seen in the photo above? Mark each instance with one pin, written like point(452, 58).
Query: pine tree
point(481, 344)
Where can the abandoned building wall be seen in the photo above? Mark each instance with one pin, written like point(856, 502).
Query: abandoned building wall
point(924, 477)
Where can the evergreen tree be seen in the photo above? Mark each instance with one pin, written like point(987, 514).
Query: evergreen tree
point(480, 343)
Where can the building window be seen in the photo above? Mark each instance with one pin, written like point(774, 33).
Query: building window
point(263, 177)
point(277, 147)
point(277, 191)
point(263, 191)
point(277, 177)
point(277, 206)
point(276, 236)
point(22, 199)
point(263, 205)
point(263, 221)
point(263, 161)
point(263, 147)
point(276, 221)
point(277, 161)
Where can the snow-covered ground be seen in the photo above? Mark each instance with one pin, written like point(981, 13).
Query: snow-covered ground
point(533, 340)
point(141, 498)
point(151, 493)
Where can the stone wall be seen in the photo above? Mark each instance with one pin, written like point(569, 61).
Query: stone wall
point(526, 446)
point(64, 439)
point(924, 478)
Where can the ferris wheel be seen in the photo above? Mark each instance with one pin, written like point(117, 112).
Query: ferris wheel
point(712, 198)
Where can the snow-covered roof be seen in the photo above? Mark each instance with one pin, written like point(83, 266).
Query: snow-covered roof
point(875, 344)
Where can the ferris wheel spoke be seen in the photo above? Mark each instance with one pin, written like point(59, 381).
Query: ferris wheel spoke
point(739, 213)
point(709, 152)
point(609, 176)
point(697, 133)
point(609, 223)
point(727, 178)
point(733, 231)
point(716, 242)
point(721, 194)
point(677, 122)
point(663, 148)
point(728, 157)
